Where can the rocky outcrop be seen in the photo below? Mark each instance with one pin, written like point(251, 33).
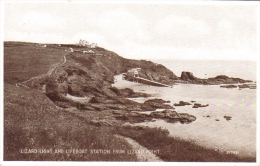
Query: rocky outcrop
point(129, 93)
point(228, 86)
point(168, 115)
point(188, 76)
point(220, 79)
point(197, 105)
point(153, 104)
point(243, 86)
point(228, 117)
point(182, 103)
point(223, 79)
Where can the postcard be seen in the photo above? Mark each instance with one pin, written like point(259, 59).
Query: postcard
point(125, 82)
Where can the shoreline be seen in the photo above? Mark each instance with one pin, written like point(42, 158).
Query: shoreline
point(155, 93)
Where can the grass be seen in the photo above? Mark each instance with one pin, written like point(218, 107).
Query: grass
point(31, 121)
point(23, 61)
point(175, 149)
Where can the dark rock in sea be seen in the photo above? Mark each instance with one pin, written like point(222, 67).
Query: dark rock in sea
point(228, 86)
point(187, 76)
point(157, 115)
point(227, 117)
point(243, 86)
point(167, 115)
point(186, 117)
point(216, 119)
point(193, 101)
point(160, 101)
point(207, 116)
point(197, 105)
point(173, 116)
point(153, 104)
point(129, 93)
point(182, 103)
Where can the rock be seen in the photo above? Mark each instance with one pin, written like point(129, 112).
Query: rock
point(117, 112)
point(243, 86)
point(160, 101)
point(117, 107)
point(153, 104)
point(186, 117)
point(227, 117)
point(157, 115)
point(127, 92)
point(182, 103)
point(220, 79)
point(216, 119)
point(228, 86)
point(193, 101)
point(173, 116)
point(207, 116)
point(197, 105)
point(187, 76)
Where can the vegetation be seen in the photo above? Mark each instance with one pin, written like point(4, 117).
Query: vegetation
point(33, 122)
point(23, 61)
point(176, 149)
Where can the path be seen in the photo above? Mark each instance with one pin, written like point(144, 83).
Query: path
point(48, 73)
point(141, 156)
point(52, 69)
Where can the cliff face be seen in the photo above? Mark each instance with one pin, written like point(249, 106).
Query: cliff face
point(187, 76)
point(92, 75)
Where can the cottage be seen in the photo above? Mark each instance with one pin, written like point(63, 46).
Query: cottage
point(133, 72)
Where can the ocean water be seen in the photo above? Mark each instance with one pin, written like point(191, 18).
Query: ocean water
point(237, 134)
point(212, 68)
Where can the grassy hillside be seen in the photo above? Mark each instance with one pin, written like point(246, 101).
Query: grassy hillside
point(25, 60)
point(32, 121)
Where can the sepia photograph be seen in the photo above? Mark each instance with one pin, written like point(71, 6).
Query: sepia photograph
point(128, 81)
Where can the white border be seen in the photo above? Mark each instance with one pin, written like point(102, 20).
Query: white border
point(37, 163)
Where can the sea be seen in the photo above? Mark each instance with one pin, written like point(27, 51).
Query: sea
point(210, 129)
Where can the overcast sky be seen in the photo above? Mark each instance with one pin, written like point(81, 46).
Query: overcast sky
point(143, 30)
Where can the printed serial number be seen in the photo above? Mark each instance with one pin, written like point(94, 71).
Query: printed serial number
point(232, 152)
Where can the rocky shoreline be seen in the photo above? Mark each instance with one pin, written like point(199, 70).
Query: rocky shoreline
point(84, 82)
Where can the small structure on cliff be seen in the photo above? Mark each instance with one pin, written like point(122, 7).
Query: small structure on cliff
point(132, 73)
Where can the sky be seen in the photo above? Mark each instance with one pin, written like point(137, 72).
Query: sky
point(150, 30)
